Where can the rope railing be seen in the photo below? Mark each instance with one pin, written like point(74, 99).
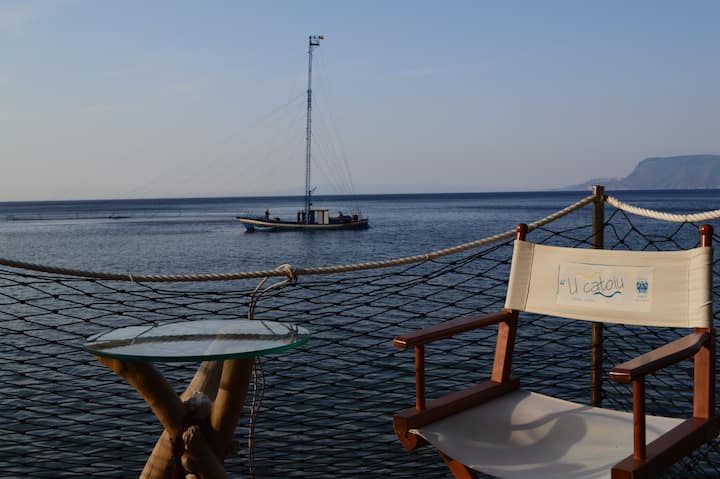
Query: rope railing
point(661, 215)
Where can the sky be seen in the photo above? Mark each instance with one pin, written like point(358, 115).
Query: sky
point(139, 99)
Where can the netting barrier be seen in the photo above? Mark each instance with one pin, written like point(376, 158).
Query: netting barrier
point(327, 407)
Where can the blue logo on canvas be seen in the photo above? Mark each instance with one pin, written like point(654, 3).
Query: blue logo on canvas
point(605, 287)
point(642, 286)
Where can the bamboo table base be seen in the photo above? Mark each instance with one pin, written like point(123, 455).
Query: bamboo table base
point(199, 424)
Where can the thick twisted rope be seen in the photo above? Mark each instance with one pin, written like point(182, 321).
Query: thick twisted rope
point(139, 278)
point(287, 270)
point(660, 215)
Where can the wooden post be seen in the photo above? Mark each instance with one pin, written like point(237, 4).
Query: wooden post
point(420, 377)
point(596, 344)
point(639, 446)
point(507, 332)
point(704, 362)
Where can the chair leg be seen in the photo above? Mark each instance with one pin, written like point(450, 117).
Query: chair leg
point(458, 469)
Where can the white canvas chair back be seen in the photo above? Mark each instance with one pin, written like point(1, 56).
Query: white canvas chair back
point(658, 288)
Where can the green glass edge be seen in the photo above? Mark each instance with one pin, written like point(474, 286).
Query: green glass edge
point(189, 359)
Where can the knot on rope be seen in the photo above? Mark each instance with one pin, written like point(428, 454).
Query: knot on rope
point(261, 289)
point(289, 272)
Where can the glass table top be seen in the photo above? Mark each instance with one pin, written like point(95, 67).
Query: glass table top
point(197, 340)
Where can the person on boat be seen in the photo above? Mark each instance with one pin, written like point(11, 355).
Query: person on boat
point(299, 215)
point(342, 218)
point(267, 215)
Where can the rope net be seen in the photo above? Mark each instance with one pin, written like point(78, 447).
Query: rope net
point(327, 407)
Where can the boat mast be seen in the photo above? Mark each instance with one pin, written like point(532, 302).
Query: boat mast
point(313, 41)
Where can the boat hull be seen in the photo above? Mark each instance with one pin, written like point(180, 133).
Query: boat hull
point(254, 224)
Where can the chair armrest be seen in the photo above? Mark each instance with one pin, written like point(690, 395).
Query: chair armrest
point(659, 358)
point(404, 421)
point(670, 447)
point(450, 328)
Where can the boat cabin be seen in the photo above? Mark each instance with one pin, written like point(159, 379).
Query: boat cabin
point(319, 216)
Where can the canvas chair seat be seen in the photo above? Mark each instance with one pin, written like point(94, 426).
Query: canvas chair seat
point(525, 435)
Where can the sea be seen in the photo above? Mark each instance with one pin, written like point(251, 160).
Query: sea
point(202, 235)
point(56, 401)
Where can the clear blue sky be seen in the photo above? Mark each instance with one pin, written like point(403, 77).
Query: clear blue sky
point(158, 98)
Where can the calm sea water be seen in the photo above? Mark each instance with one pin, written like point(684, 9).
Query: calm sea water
point(202, 235)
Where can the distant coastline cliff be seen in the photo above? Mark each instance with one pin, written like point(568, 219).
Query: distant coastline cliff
point(672, 172)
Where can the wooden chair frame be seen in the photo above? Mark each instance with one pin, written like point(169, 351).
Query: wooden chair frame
point(647, 460)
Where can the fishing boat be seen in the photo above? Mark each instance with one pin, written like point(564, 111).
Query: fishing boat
point(309, 218)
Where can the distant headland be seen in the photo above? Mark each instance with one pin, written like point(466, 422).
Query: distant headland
point(665, 173)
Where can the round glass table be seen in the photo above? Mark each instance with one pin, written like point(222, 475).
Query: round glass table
point(200, 423)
